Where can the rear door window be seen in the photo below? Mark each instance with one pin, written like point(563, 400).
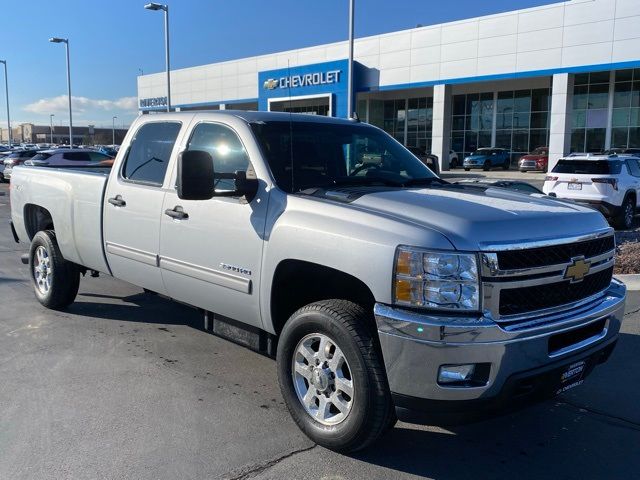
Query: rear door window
point(150, 152)
point(634, 167)
point(76, 156)
point(588, 167)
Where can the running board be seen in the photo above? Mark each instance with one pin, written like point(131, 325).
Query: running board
point(246, 335)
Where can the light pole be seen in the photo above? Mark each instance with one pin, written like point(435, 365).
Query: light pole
point(6, 87)
point(165, 9)
point(51, 125)
point(350, 79)
point(66, 43)
point(113, 131)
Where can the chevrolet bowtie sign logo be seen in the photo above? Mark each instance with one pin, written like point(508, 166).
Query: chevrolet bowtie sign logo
point(271, 84)
point(577, 270)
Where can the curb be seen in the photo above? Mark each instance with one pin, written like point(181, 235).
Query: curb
point(632, 281)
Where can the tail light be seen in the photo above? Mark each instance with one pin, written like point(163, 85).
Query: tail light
point(550, 178)
point(611, 181)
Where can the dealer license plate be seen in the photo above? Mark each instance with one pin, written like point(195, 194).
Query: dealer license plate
point(574, 186)
point(571, 377)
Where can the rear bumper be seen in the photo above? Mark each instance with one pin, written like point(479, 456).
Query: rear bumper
point(607, 209)
point(415, 346)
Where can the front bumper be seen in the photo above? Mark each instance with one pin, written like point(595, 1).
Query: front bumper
point(416, 345)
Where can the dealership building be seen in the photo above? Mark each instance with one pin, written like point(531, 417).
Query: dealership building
point(564, 75)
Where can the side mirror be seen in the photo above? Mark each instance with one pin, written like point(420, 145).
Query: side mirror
point(196, 178)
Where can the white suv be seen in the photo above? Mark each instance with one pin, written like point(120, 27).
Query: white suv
point(610, 183)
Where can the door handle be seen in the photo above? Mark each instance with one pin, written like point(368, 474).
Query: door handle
point(176, 213)
point(117, 201)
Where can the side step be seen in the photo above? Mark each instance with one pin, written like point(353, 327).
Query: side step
point(240, 333)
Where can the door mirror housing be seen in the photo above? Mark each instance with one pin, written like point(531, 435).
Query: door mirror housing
point(196, 177)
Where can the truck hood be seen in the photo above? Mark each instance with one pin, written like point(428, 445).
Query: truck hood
point(473, 217)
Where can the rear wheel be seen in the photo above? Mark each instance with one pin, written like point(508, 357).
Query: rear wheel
point(55, 280)
point(332, 376)
point(627, 214)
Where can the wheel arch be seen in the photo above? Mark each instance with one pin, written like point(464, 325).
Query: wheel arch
point(297, 283)
point(37, 218)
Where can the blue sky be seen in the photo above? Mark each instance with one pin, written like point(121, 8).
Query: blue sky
point(111, 40)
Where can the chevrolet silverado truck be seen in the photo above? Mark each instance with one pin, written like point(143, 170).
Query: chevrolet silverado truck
point(382, 291)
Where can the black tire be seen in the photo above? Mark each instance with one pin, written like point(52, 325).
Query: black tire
point(467, 169)
point(346, 325)
point(487, 166)
point(624, 220)
point(64, 275)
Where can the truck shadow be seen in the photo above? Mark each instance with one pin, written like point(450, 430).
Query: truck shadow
point(139, 308)
point(591, 432)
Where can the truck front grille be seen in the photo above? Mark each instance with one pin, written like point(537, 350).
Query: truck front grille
point(533, 284)
point(515, 301)
point(557, 254)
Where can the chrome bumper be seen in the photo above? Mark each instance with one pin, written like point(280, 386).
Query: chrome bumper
point(415, 345)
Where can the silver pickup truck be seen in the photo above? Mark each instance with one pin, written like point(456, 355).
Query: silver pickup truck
point(383, 291)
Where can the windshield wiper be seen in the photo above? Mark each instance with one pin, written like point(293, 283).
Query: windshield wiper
point(366, 181)
point(416, 182)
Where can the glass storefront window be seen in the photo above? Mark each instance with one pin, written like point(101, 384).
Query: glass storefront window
point(626, 111)
point(521, 121)
point(591, 111)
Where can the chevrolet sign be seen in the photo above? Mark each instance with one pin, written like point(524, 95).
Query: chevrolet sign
point(304, 80)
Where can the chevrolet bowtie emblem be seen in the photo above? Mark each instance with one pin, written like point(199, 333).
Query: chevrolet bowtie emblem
point(270, 84)
point(577, 270)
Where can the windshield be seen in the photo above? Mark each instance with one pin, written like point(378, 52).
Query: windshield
point(590, 167)
point(477, 153)
point(304, 155)
point(41, 156)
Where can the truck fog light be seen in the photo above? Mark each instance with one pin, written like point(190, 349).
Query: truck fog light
point(456, 373)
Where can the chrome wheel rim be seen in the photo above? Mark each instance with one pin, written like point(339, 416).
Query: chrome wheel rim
point(42, 270)
point(322, 379)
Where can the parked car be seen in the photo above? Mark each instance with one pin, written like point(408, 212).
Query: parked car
point(16, 158)
point(487, 158)
point(609, 183)
point(429, 159)
point(536, 161)
point(522, 187)
point(67, 158)
point(383, 292)
point(453, 159)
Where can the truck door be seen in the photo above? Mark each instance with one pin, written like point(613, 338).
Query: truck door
point(210, 255)
point(133, 204)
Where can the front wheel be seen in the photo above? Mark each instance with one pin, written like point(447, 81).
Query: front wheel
point(55, 280)
point(332, 377)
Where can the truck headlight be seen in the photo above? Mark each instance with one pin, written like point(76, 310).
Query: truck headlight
point(441, 280)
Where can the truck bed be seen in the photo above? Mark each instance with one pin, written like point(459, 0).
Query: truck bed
point(74, 198)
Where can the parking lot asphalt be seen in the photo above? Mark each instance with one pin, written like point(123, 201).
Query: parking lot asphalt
point(127, 385)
